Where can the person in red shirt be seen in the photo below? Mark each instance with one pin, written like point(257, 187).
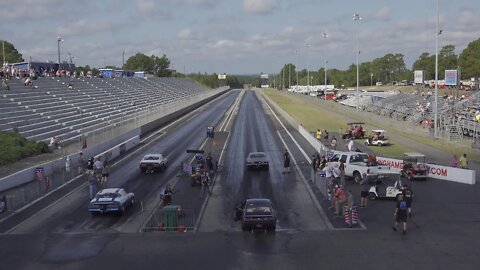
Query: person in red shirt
point(340, 200)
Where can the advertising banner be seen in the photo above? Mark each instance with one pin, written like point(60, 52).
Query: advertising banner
point(435, 171)
point(418, 75)
point(222, 76)
point(451, 77)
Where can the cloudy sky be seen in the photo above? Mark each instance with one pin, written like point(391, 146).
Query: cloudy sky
point(234, 36)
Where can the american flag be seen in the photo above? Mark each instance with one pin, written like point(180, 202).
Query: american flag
point(354, 215)
point(39, 173)
point(186, 168)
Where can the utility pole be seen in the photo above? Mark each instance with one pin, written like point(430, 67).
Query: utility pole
point(325, 35)
point(123, 59)
point(357, 19)
point(3, 45)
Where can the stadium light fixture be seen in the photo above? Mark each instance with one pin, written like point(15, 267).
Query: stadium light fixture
point(325, 36)
point(438, 33)
point(357, 19)
point(59, 39)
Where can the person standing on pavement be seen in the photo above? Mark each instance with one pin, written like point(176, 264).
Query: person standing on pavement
point(286, 162)
point(92, 184)
point(340, 200)
point(333, 143)
point(400, 214)
point(81, 163)
point(364, 189)
point(318, 135)
point(454, 162)
point(105, 173)
point(90, 163)
point(463, 161)
point(408, 196)
point(341, 168)
point(314, 168)
point(351, 146)
point(209, 162)
point(97, 167)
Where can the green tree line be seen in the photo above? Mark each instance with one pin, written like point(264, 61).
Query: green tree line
point(388, 68)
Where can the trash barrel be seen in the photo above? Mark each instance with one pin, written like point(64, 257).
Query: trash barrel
point(170, 217)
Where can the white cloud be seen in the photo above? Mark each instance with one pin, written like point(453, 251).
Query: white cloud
point(81, 27)
point(206, 3)
point(383, 14)
point(187, 34)
point(260, 6)
point(152, 9)
point(28, 9)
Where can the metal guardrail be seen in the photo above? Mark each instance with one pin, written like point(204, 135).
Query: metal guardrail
point(171, 218)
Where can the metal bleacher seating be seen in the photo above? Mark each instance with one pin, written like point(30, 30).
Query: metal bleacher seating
point(51, 108)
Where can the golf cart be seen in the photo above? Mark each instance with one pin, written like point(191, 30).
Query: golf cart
point(354, 131)
point(387, 186)
point(414, 166)
point(377, 138)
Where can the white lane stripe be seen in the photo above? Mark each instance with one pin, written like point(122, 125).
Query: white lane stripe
point(234, 107)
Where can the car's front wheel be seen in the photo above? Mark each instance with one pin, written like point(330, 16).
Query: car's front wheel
point(372, 196)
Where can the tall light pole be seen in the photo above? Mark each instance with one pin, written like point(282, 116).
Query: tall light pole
point(296, 66)
point(59, 39)
point(325, 36)
point(3, 46)
point(357, 18)
point(435, 119)
point(308, 71)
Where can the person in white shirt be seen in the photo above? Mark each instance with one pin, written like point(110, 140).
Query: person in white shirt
point(350, 146)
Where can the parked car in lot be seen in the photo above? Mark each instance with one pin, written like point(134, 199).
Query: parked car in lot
point(151, 163)
point(111, 200)
point(414, 167)
point(256, 214)
point(377, 138)
point(386, 186)
point(257, 160)
point(356, 165)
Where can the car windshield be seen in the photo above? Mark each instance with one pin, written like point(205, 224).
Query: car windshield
point(257, 155)
point(152, 158)
point(258, 209)
point(107, 195)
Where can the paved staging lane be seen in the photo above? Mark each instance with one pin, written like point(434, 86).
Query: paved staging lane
point(70, 214)
point(254, 131)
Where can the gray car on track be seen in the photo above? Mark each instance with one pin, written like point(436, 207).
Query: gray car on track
point(257, 160)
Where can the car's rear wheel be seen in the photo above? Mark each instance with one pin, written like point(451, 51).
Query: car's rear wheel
point(372, 196)
point(94, 214)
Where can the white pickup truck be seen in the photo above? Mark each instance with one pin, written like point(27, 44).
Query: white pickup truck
point(356, 165)
point(153, 162)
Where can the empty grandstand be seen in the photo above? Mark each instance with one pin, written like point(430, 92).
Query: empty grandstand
point(74, 107)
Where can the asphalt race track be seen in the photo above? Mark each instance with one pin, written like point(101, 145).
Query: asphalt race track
point(443, 234)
